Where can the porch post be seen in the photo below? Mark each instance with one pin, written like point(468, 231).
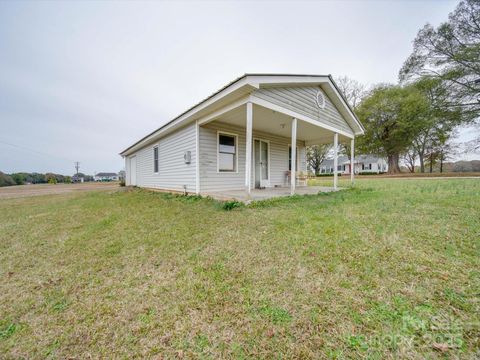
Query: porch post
point(197, 158)
point(335, 161)
point(248, 152)
point(293, 172)
point(352, 160)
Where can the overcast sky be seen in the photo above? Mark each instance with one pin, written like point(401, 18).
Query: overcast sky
point(83, 80)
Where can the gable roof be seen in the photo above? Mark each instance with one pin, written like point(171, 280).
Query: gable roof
point(242, 86)
point(106, 174)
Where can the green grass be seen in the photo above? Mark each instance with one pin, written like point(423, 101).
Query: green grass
point(388, 269)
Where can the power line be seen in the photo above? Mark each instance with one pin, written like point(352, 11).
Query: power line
point(34, 151)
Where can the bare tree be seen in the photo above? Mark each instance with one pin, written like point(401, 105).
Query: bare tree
point(353, 90)
point(445, 151)
point(473, 146)
point(316, 154)
point(410, 159)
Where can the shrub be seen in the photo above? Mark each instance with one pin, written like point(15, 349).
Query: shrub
point(52, 180)
point(367, 173)
point(230, 205)
point(329, 174)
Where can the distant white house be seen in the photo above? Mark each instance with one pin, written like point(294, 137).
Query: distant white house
point(104, 176)
point(363, 164)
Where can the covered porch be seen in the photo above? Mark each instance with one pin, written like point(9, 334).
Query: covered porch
point(246, 152)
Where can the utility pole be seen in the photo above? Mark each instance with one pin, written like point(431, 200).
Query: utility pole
point(77, 166)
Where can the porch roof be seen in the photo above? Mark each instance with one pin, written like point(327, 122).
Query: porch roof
point(268, 121)
point(242, 87)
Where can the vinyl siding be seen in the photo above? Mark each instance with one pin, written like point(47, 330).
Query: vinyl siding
point(173, 173)
point(211, 180)
point(301, 99)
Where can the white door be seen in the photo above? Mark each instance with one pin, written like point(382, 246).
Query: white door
point(262, 166)
point(133, 171)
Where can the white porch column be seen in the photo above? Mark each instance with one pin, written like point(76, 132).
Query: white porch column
point(248, 153)
point(335, 161)
point(352, 160)
point(293, 173)
point(197, 158)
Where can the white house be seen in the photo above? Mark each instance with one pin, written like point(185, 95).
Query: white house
point(105, 176)
point(238, 140)
point(362, 164)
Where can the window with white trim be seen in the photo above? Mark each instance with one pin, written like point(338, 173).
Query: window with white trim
point(155, 159)
point(227, 152)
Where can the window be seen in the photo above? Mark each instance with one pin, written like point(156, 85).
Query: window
point(290, 159)
point(155, 159)
point(227, 153)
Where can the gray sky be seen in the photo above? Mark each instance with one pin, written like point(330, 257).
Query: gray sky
point(83, 80)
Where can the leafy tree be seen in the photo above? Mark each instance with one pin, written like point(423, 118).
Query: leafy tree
point(6, 180)
point(37, 178)
point(450, 53)
point(438, 124)
point(19, 178)
point(392, 116)
point(316, 154)
point(51, 178)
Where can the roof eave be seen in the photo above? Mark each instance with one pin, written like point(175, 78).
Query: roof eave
point(254, 81)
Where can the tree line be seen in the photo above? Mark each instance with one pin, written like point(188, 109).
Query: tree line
point(23, 178)
point(413, 122)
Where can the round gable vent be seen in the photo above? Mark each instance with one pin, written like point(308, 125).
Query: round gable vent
point(320, 100)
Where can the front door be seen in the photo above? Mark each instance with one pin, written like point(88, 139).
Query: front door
point(261, 164)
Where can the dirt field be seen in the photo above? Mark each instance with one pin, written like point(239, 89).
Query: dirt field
point(10, 192)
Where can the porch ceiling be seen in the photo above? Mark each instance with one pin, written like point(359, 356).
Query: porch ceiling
point(276, 123)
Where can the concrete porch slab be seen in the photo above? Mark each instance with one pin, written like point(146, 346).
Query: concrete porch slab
point(268, 193)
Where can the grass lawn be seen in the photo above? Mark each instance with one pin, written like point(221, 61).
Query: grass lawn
point(388, 269)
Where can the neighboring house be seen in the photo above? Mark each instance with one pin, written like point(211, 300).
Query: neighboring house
point(105, 176)
point(240, 137)
point(362, 164)
point(78, 178)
